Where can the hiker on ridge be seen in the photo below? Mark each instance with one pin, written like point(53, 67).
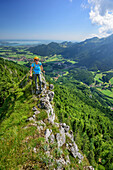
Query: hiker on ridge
point(37, 68)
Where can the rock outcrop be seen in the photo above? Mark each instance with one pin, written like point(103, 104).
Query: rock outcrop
point(63, 136)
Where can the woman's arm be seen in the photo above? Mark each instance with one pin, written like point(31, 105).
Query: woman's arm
point(31, 71)
point(42, 69)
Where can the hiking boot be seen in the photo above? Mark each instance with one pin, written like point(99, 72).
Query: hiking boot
point(37, 92)
point(40, 90)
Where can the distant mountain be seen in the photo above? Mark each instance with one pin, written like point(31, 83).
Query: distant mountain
point(50, 49)
point(46, 50)
point(93, 53)
point(67, 44)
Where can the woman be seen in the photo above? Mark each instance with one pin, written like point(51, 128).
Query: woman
point(37, 68)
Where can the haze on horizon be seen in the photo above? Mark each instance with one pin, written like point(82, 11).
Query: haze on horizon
point(70, 20)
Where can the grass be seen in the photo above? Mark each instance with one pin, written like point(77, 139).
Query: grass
point(71, 61)
point(54, 58)
point(107, 92)
point(98, 77)
point(13, 151)
point(111, 80)
point(17, 142)
point(21, 62)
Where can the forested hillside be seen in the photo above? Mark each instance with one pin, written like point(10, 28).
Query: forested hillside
point(10, 74)
point(92, 123)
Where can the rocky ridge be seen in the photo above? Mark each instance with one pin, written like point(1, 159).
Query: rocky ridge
point(61, 135)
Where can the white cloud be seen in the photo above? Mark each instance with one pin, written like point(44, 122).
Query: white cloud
point(84, 4)
point(101, 13)
point(70, 0)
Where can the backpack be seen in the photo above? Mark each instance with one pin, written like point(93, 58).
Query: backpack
point(35, 63)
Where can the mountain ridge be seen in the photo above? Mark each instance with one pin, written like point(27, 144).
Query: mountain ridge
point(36, 139)
point(94, 53)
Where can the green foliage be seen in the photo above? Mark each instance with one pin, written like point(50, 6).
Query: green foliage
point(91, 124)
point(57, 153)
point(10, 74)
point(41, 116)
point(41, 140)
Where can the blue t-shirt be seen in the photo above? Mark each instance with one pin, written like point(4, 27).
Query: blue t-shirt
point(36, 67)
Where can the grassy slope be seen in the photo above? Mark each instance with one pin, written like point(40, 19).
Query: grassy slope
point(17, 142)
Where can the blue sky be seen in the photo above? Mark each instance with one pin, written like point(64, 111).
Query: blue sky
point(47, 19)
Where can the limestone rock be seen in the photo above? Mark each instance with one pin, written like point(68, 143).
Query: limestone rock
point(61, 162)
point(51, 86)
point(52, 138)
point(30, 118)
point(57, 124)
point(66, 127)
point(34, 116)
point(70, 135)
point(67, 160)
point(36, 112)
point(40, 128)
point(47, 134)
point(88, 168)
point(50, 95)
point(34, 108)
point(73, 148)
point(61, 137)
point(41, 122)
point(51, 118)
point(34, 150)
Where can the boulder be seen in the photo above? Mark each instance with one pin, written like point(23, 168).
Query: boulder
point(34, 116)
point(34, 108)
point(51, 86)
point(30, 118)
point(36, 112)
point(62, 124)
point(44, 102)
point(51, 95)
point(66, 127)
